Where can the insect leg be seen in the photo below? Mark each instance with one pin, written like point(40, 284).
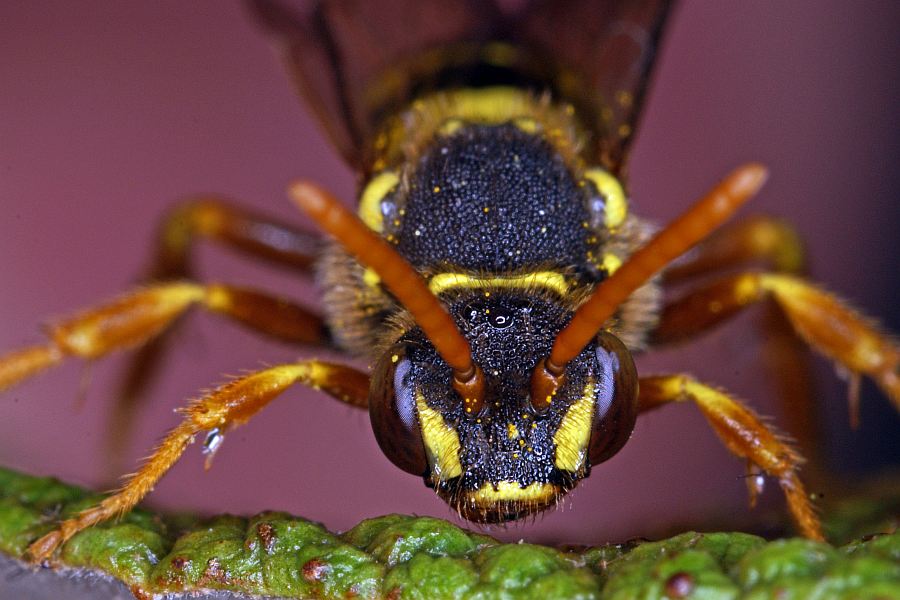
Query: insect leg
point(760, 238)
point(217, 220)
point(827, 324)
point(743, 433)
point(138, 316)
point(232, 404)
point(773, 244)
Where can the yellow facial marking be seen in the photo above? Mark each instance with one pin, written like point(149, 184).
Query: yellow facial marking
point(545, 279)
point(370, 202)
point(613, 196)
point(440, 440)
point(512, 431)
point(574, 432)
point(511, 490)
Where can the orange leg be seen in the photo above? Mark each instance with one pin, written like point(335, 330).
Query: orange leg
point(824, 322)
point(142, 314)
point(214, 219)
point(772, 244)
point(757, 239)
point(228, 406)
point(744, 434)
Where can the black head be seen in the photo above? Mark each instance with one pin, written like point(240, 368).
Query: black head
point(510, 458)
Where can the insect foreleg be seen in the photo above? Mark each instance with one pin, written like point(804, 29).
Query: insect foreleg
point(136, 317)
point(228, 406)
point(743, 433)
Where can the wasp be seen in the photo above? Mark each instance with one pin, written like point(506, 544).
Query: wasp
point(494, 277)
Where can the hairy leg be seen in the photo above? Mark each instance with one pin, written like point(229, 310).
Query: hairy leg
point(227, 407)
point(826, 323)
point(744, 434)
point(216, 220)
point(138, 316)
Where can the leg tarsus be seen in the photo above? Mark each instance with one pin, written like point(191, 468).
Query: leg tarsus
point(743, 433)
point(228, 406)
point(26, 363)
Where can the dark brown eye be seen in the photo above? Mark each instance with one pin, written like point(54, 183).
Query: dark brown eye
point(392, 409)
point(616, 398)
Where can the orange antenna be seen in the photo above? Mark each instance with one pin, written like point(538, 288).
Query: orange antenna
point(404, 282)
point(685, 231)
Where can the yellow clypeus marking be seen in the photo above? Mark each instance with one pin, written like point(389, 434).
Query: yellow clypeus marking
point(613, 196)
point(574, 432)
point(545, 279)
point(441, 441)
point(511, 490)
point(370, 201)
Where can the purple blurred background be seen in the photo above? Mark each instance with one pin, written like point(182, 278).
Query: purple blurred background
point(110, 111)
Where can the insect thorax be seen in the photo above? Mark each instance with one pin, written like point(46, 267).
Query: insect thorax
point(484, 187)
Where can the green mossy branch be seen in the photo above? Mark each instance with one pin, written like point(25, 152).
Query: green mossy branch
point(396, 556)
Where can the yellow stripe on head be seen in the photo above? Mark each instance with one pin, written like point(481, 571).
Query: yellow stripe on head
point(512, 491)
point(370, 202)
point(616, 204)
point(574, 432)
point(440, 440)
point(544, 279)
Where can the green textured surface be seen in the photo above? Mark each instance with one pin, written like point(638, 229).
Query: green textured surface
point(274, 554)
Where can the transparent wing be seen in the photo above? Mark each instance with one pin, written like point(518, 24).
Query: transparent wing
point(337, 49)
point(355, 60)
point(608, 48)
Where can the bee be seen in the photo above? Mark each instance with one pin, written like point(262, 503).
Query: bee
point(493, 159)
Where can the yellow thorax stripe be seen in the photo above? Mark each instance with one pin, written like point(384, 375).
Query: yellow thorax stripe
point(546, 279)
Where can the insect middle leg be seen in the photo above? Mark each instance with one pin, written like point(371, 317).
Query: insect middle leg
point(228, 406)
point(823, 321)
point(773, 244)
point(138, 316)
point(743, 433)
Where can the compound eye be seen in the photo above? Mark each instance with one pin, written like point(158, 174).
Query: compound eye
point(392, 408)
point(616, 398)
